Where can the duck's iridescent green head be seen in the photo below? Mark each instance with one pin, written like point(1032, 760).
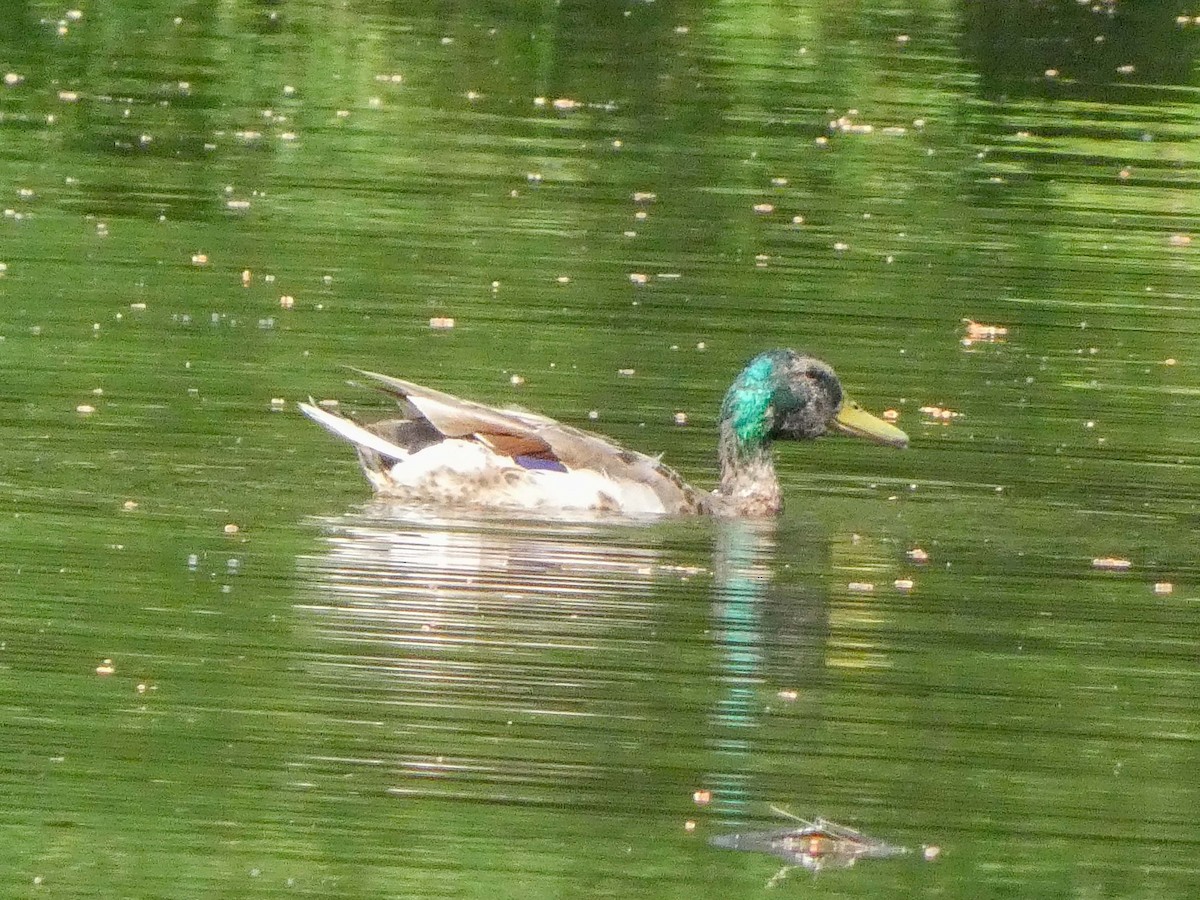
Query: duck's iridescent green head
point(783, 394)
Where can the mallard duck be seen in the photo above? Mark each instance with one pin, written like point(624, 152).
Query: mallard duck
point(448, 451)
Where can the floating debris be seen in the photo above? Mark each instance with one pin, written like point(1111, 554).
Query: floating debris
point(231, 528)
point(816, 845)
point(940, 413)
point(978, 332)
point(1163, 587)
point(106, 668)
point(1111, 564)
point(917, 555)
point(441, 322)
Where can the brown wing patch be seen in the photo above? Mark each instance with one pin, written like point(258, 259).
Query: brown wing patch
point(517, 445)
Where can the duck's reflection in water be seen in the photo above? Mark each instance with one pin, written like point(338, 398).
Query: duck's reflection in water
point(499, 659)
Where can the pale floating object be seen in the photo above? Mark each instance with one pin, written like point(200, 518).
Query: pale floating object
point(138, 307)
point(797, 220)
point(939, 413)
point(563, 279)
point(626, 373)
point(13, 78)
point(1127, 69)
point(702, 797)
point(1051, 73)
point(328, 404)
point(689, 826)
point(644, 196)
point(246, 276)
point(199, 259)
point(903, 584)
point(638, 277)
point(764, 208)
point(1163, 587)
point(231, 528)
point(287, 301)
point(891, 415)
point(129, 505)
point(68, 96)
point(442, 323)
point(565, 104)
point(841, 246)
point(278, 403)
point(85, 409)
point(860, 587)
point(106, 667)
point(787, 694)
point(681, 418)
point(917, 555)
point(977, 331)
point(1180, 240)
point(594, 414)
point(1111, 564)
point(516, 380)
point(237, 205)
point(931, 852)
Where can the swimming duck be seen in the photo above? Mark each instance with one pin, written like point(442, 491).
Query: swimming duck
point(452, 452)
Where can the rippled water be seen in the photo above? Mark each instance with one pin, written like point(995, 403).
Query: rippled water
point(225, 672)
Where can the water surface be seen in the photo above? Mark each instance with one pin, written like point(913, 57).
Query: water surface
point(225, 672)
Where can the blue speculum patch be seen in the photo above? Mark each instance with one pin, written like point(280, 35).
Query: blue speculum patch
point(536, 462)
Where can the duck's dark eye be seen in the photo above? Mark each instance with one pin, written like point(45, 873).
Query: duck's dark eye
point(826, 385)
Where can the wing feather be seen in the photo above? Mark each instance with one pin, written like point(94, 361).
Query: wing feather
point(522, 433)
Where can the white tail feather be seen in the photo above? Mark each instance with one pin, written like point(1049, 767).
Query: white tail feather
point(353, 432)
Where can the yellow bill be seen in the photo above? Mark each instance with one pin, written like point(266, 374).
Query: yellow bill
point(853, 419)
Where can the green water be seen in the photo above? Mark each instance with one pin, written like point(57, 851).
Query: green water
point(340, 699)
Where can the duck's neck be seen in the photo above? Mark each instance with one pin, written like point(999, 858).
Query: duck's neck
point(748, 485)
